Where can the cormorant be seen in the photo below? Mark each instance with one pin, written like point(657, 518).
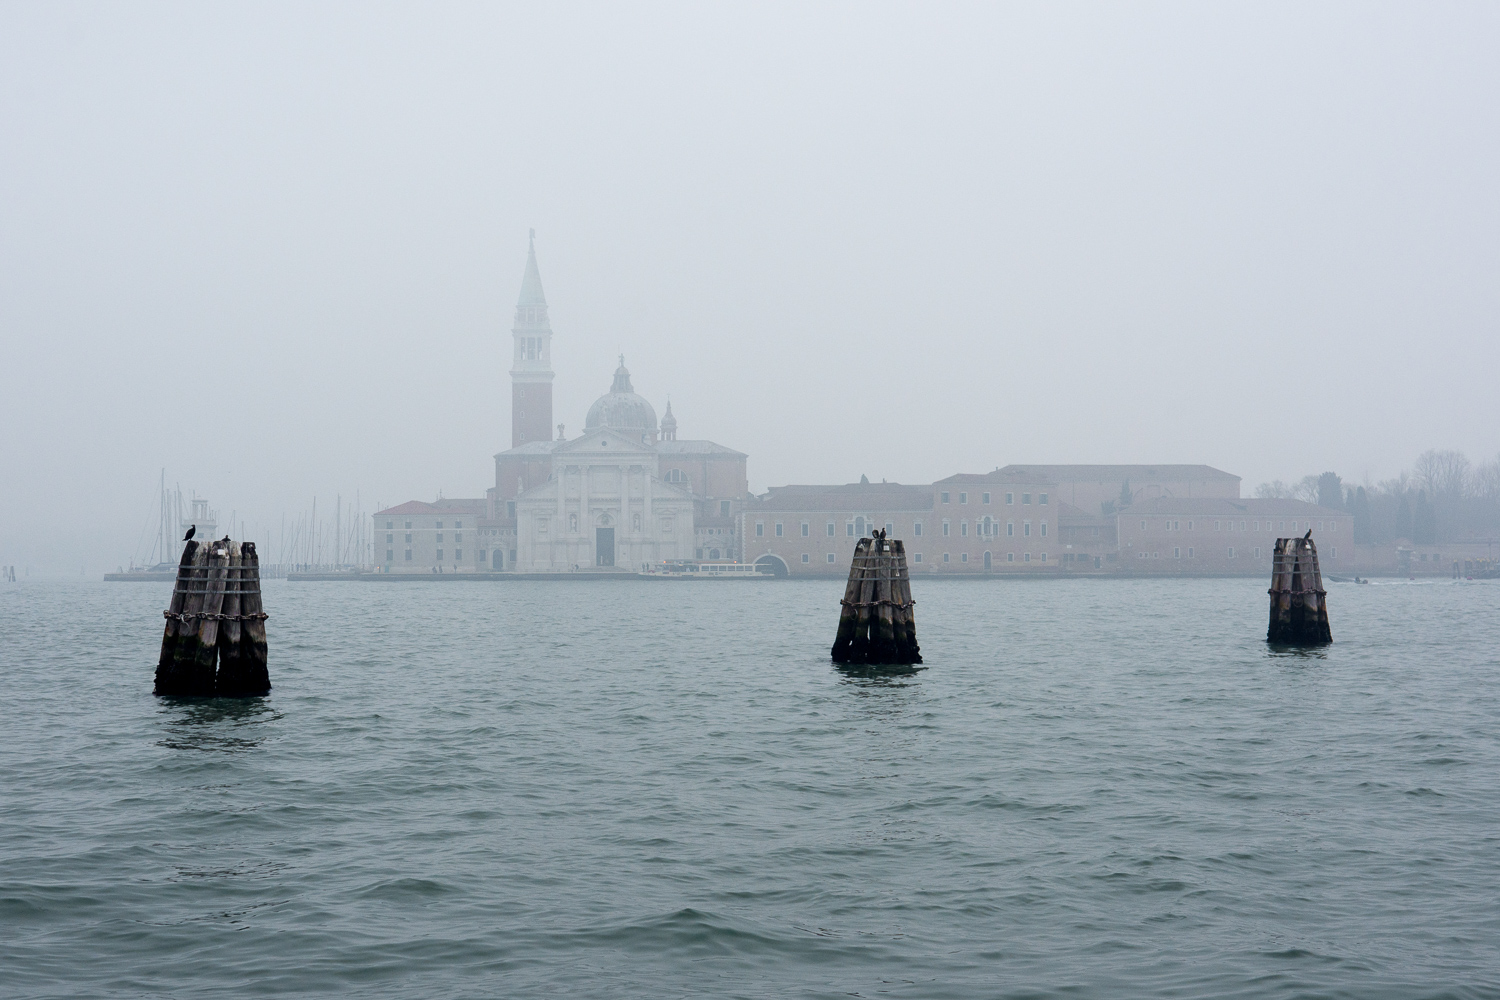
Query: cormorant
point(1308, 535)
point(189, 536)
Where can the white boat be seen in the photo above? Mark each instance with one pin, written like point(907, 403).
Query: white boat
point(705, 569)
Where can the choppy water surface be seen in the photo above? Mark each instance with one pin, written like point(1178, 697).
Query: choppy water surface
point(1096, 789)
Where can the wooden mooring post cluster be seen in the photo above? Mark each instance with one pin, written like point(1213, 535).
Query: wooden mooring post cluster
point(215, 639)
point(877, 625)
point(1299, 604)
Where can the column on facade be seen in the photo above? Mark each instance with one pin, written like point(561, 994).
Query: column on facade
point(585, 526)
point(561, 475)
point(624, 530)
point(648, 526)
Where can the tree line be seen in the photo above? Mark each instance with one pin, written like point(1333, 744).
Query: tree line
point(1443, 498)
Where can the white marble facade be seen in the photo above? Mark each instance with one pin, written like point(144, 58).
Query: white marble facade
point(604, 506)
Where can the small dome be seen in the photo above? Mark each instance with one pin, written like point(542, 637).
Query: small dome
point(621, 409)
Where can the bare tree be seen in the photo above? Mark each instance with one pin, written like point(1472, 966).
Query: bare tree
point(1275, 490)
point(1444, 474)
point(1306, 489)
point(1486, 481)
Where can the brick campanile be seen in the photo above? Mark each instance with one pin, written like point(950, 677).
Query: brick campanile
point(531, 372)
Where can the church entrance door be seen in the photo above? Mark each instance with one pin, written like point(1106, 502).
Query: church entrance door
point(604, 548)
point(986, 562)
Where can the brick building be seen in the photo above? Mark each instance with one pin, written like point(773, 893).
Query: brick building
point(1221, 536)
point(1091, 487)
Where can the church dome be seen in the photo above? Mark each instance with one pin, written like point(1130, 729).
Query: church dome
point(622, 410)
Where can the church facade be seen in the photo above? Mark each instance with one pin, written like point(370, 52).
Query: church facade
point(625, 494)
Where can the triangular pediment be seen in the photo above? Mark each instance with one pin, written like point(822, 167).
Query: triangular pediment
point(606, 441)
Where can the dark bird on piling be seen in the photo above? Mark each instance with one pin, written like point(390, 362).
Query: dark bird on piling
point(1308, 535)
point(191, 531)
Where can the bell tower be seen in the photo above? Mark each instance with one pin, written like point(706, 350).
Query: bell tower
point(531, 368)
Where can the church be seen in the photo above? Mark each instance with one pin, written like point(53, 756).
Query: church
point(625, 494)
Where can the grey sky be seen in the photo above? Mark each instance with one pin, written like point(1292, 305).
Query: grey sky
point(276, 249)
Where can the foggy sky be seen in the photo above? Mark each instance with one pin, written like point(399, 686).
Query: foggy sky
point(276, 250)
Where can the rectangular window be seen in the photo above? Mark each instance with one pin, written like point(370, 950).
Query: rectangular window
point(963, 529)
point(760, 529)
point(1010, 529)
point(1044, 529)
point(390, 538)
point(510, 509)
point(1254, 525)
point(830, 529)
point(830, 557)
point(1216, 525)
point(806, 558)
point(1190, 552)
point(1257, 552)
point(1242, 525)
point(439, 525)
point(963, 557)
point(389, 525)
point(1190, 525)
point(1231, 551)
point(1333, 553)
point(919, 557)
point(849, 528)
point(985, 497)
point(1143, 525)
point(1028, 557)
point(945, 557)
point(1026, 529)
point(963, 498)
point(408, 525)
point(723, 508)
point(1010, 557)
point(457, 525)
point(390, 555)
point(1042, 499)
point(458, 538)
point(945, 529)
point(1333, 526)
point(458, 555)
point(439, 555)
point(1176, 553)
point(916, 528)
point(408, 555)
point(440, 537)
point(1010, 498)
point(779, 529)
point(945, 496)
point(888, 527)
point(1026, 498)
point(806, 529)
point(408, 538)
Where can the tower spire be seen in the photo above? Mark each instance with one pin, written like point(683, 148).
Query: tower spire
point(531, 367)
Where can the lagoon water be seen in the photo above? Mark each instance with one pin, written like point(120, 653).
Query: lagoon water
point(646, 789)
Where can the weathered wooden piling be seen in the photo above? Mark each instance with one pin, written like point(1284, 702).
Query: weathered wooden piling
point(1299, 604)
point(242, 641)
point(214, 621)
point(877, 624)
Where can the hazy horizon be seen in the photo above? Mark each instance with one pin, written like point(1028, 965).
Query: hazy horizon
point(276, 251)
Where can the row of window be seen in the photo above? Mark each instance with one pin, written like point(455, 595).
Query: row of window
point(1333, 553)
point(542, 524)
point(390, 525)
point(1223, 525)
point(963, 557)
point(1010, 498)
point(458, 555)
point(857, 526)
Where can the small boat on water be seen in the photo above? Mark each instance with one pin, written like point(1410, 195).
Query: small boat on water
point(706, 569)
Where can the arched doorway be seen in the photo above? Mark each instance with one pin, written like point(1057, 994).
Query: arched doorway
point(772, 565)
point(497, 559)
point(986, 562)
